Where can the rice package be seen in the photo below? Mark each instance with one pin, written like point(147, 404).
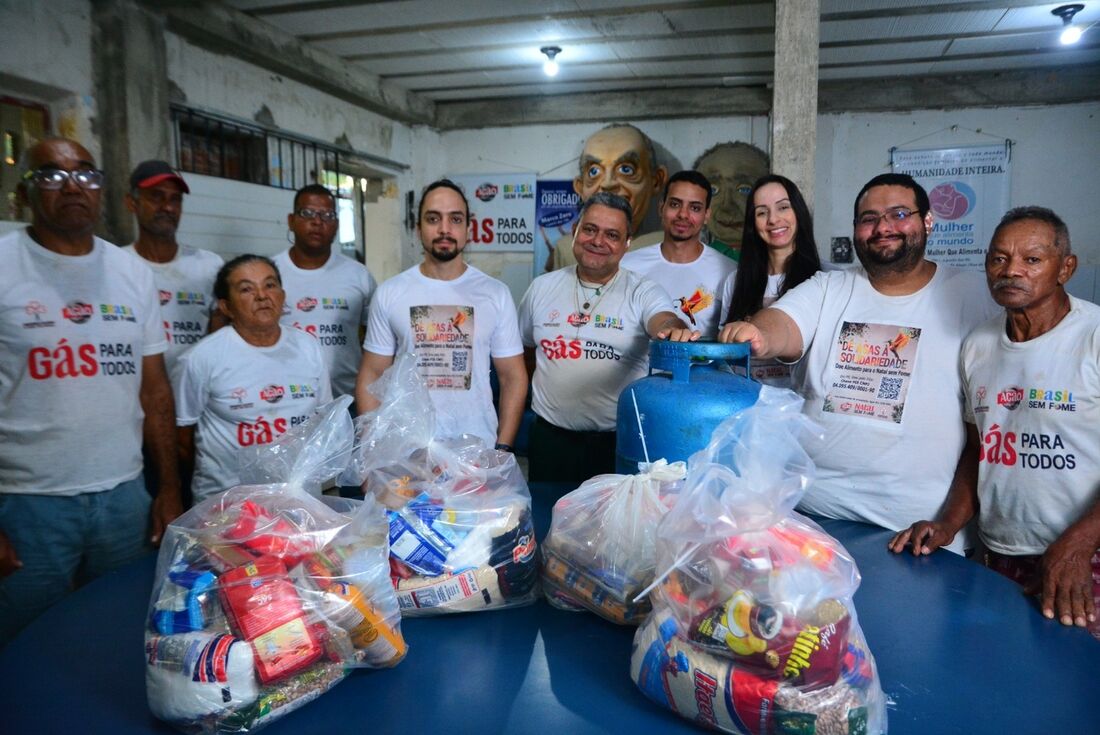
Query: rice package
point(600, 552)
point(266, 595)
point(459, 517)
point(753, 629)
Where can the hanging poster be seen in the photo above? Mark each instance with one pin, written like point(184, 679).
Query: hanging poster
point(556, 208)
point(968, 189)
point(502, 211)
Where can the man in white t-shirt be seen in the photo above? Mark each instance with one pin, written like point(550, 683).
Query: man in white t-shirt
point(184, 275)
point(880, 346)
point(327, 294)
point(586, 332)
point(690, 272)
point(81, 378)
point(456, 319)
point(1032, 381)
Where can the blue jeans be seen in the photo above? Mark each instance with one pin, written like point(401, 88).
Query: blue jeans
point(65, 541)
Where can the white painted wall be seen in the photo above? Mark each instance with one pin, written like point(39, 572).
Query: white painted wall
point(1056, 159)
point(232, 217)
point(551, 152)
point(46, 56)
point(1055, 164)
point(234, 87)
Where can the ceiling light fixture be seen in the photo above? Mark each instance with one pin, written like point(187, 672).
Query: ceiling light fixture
point(550, 66)
point(1071, 34)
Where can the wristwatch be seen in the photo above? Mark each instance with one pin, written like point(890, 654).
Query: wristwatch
point(505, 447)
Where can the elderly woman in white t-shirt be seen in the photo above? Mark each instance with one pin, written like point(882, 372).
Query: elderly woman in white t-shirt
point(247, 383)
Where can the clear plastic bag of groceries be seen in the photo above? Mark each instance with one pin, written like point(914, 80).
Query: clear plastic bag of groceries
point(600, 552)
point(753, 629)
point(460, 526)
point(265, 595)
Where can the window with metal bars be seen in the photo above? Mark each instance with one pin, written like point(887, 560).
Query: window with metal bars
point(214, 145)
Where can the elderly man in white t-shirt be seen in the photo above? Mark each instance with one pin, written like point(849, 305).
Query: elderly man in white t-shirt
point(689, 271)
point(879, 346)
point(586, 332)
point(82, 378)
point(1032, 380)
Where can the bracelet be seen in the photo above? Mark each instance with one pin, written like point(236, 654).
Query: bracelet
point(505, 447)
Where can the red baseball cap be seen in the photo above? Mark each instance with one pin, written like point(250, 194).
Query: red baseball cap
point(151, 173)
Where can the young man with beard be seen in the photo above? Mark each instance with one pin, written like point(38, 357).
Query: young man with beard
point(1032, 379)
point(688, 271)
point(455, 318)
point(881, 349)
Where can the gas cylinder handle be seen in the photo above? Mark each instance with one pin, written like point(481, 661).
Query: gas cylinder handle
point(679, 357)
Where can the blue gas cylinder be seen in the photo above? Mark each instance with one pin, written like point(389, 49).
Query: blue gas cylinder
point(691, 388)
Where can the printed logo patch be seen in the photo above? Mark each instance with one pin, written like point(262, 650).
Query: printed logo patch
point(77, 312)
point(272, 393)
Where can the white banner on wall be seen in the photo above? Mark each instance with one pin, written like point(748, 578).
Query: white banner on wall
point(502, 211)
point(968, 189)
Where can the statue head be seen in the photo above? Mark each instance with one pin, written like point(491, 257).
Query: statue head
point(731, 168)
point(620, 159)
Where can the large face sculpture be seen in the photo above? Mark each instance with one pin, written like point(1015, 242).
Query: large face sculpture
point(620, 159)
point(731, 169)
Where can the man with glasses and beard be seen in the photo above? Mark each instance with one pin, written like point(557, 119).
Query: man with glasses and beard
point(878, 348)
point(455, 319)
point(82, 378)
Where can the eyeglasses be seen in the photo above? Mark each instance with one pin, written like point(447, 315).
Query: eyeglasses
point(896, 216)
point(52, 179)
point(325, 215)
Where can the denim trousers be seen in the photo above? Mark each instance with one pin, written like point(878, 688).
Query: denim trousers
point(65, 541)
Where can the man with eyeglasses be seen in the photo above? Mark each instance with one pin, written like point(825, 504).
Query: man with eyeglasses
point(82, 378)
point(328, 294)
point(878, 352)
point(455, 319)
point(184, 275)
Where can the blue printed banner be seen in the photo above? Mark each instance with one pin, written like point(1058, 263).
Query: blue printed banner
point(968, 189)
point(556, 207)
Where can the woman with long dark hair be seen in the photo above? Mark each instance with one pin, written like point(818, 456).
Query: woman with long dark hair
point(778, 252)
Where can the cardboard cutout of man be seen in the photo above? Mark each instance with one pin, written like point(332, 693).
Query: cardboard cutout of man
point(618, 159)
point(731, 169)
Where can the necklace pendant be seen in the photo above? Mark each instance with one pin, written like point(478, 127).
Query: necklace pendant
point(586, 306)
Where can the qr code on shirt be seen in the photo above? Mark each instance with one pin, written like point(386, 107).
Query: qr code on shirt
point(890, 389)
point(459, 361)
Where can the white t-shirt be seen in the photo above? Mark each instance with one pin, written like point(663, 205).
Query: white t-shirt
point(695, 287)
point(73, 332)
point(580, 368)
point(1037, 408)
point(330, 303)
point(186, 289)
point(454, 327)
point(882, 378)
point(769, 372)
point(241, 395)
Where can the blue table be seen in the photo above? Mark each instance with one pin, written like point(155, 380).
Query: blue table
point(959, 649)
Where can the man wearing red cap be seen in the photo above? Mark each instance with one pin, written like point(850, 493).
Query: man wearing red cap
point(184, 275)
